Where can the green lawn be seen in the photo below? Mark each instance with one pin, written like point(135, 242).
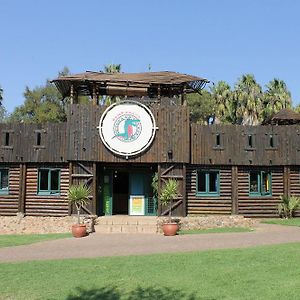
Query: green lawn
point(8, 240)
point(270, 272)
point(215, 230)
point(289, 222)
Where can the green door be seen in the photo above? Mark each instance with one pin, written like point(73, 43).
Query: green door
point(107, 193)
point(140, 185)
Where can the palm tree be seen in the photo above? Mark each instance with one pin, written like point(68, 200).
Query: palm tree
point(112, 69)
point(277, 97)
point(248, 95)
point(224, 105)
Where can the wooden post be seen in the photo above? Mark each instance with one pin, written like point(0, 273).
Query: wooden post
point(234, 190)
point(70, 183)
point(183, 96)
point(286, 181)
point(94, 96)
point(72, 94)
point(184, 191)
point(22, 189)
point(159, 210)
point(94, 189)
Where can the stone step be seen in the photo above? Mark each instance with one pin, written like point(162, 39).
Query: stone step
point(126, 220)
point(125, 228)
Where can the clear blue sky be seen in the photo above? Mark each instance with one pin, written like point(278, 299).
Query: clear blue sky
point(218, 40)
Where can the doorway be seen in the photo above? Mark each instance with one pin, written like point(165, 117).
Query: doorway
point(120, 193)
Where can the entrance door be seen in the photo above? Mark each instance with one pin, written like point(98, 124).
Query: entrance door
point(107, 193)
point(140, 185)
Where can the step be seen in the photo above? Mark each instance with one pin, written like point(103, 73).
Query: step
point(126, 220)
point(125, 228)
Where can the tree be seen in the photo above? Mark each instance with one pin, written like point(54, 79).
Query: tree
point(3, 112)
point(276, 97)
point(248, 97)
point(201, 107)
point(111, 68)
point(42, 104)
point(225, 108)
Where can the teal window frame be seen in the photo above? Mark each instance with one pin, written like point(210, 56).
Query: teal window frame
point(48, 191)
point(4, 190)
point(207, 174)
point(260, 190)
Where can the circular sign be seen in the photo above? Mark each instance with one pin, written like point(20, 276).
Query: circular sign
point(127, 128)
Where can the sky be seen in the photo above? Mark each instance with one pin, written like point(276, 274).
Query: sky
point(216, 39)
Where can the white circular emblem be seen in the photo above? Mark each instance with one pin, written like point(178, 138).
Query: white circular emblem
point(127, 128)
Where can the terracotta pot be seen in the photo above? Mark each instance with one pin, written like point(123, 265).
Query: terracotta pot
point(170, 229)
point(79, 230)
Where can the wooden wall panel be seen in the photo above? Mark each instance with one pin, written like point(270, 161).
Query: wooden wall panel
point(208, 205)
point(235, 151)
point(172, 135)
point(9, 203)
point(295, 185)
point(38, 205)
point(265, 206)
point(23, 142)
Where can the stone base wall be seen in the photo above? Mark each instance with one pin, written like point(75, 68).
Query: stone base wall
point(212, 221)
point(27, 225)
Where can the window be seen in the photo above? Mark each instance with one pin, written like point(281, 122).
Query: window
point(208, 182)
point(4, 181)
point(48, 181)
point(38, 138)
point(260, 183)
point(218, 140)
point(6, 143)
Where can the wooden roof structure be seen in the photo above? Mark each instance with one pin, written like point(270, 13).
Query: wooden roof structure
point(151, 84)
point(285, 116)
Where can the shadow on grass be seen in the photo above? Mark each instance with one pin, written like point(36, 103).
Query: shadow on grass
point(112, 293)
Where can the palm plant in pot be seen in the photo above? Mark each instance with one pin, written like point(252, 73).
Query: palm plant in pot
point(167, 195)
point(78, 195)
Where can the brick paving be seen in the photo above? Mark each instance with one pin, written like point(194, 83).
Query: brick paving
point(100, 245)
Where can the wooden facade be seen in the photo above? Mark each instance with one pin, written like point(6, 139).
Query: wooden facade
point(180, 150)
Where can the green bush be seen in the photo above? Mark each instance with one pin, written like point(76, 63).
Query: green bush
point(288, 206)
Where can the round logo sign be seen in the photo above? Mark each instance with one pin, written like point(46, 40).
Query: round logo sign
point(127, 128)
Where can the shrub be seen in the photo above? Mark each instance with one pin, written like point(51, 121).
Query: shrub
point(288, 206)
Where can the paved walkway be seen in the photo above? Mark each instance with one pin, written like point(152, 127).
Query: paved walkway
point(97, 245)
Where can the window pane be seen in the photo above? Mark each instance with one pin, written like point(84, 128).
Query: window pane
point(201, 182)
point(213, 182)
point(44, 180)
point(250, 141)
point(265, 183)
point(4, 179)
point(55, 180)
point(254, 182)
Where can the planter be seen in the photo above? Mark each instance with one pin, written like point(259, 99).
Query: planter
point(170, 229)
point(79, 230)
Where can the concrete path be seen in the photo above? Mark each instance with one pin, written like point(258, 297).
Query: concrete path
point(97, 245)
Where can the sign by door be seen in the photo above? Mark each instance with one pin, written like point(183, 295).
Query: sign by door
point(137, 205)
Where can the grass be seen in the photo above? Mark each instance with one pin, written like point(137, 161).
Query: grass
point(289, 222)
point(8, 240)
point(215, 230)
point(268, 272)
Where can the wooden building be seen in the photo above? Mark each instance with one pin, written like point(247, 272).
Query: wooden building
point(221, 169)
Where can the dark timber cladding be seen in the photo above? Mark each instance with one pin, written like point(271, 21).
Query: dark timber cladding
point(171, 143)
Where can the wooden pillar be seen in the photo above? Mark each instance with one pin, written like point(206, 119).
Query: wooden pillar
point(22, 188)
point(286, 181)
point(183, 96)
point(158, 93)
point(234, 190)
point(70, 183)
point(94, 189)
point(72, 94)
point(94, 96)
point(159, 210)
point(184, 200)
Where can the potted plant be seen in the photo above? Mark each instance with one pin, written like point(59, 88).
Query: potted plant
point(79, 196)
point(167, 195)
